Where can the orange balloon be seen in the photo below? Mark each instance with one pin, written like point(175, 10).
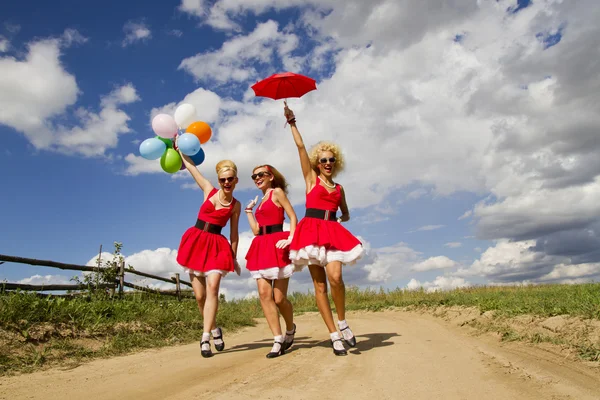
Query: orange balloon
point(201, 130)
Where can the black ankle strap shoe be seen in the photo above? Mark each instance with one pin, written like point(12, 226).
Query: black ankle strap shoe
point(338, 352)
point(206, 353)
point(273, 354)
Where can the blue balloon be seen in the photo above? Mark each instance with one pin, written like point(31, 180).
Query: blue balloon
point(188, 144)
point(198, 158)
point(152, 149)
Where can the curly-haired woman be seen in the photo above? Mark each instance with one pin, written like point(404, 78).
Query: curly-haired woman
point(320, 241)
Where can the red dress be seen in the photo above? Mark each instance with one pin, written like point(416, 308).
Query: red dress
point(318, 241)
point(202, 252)
point(263, 259)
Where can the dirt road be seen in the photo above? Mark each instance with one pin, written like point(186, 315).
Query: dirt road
point(400, 355)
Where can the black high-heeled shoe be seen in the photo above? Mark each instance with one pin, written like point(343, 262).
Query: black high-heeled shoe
point(206, 353)
point(338, 352)
point(286, 344)
point(273, 354)
point(350, 342)
point(219, 347)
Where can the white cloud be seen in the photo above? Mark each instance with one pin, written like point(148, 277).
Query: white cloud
point(125, 94)
point(37, 89)
point(12, 28)
point(508, 262)
point(427, 228)
point(233, 61)
point(453, 245)
point(135, 32)
point(440, 283)
point(434, 263)
point(466, 215)
point(46, 280)
point(4, 44)
point(176, 32)
point(98, 132)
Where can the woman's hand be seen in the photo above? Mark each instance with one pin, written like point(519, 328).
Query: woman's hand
point(283, 243)
point(289, 114)
point(251, 205)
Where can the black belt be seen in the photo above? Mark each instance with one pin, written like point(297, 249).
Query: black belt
point(320, 214)
point(206, 227)
point(265, 230)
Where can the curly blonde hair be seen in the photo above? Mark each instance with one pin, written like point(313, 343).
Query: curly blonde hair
point(226, 165)
point(278, 178)
point(322, 146)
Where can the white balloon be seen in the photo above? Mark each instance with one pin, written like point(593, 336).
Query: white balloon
point(185, 114)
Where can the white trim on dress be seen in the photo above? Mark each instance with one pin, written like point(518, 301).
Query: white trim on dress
point(319, 255)
point(274, 273)
point(205, 274)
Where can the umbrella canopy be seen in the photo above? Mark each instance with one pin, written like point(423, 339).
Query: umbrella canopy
point(284, 86)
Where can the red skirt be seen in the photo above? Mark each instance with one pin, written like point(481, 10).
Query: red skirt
point(204, 251)
point(263, 254)
point(319, 242)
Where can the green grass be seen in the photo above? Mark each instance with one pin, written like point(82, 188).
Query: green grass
point(36, 332)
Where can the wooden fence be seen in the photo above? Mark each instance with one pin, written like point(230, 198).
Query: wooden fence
point(118, 285)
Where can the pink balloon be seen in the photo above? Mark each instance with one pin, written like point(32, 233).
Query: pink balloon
point(164, 126)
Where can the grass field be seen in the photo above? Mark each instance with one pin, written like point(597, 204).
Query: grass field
point(37, 332)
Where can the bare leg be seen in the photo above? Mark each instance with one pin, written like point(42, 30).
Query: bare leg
point(265, 293)
point(213, 281)
point(320, 282)
point(280, 288)
point(199, 288)
point(338, 289)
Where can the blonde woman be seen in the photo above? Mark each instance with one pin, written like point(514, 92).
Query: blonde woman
point(205, 253)
point(268, 257)
point(320, 241)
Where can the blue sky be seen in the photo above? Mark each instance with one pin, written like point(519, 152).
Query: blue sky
point(454, 147)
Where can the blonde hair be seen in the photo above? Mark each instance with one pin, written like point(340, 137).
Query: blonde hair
point(322, 146)
point(278, 178)
point(226, 165)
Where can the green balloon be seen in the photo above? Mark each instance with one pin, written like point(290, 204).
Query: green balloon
point(170, 161)
point(168, 142)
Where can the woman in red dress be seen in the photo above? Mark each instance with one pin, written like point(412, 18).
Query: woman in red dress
point(268, 257)
point(205, 253)
point(321, 242)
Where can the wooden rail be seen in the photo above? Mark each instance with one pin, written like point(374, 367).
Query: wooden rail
point(121, 283)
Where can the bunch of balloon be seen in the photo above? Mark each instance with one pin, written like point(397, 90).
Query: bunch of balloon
point(192, 134)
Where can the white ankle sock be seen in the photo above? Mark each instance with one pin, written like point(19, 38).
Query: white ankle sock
point(289, 336)
point(216, 332)
point(335, 336)
point(276, 346)
point(346, 332)
point(206, 338)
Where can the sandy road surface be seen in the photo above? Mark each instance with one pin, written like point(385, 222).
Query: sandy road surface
point(400, 355)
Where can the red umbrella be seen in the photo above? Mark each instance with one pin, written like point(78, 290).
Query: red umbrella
point(284, 85)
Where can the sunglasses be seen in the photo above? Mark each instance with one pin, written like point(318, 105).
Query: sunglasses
point(228, 179)
point(324, 160)
point(259, 175)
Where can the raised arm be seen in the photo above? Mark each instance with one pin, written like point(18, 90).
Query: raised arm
point(310, 177)
point(344, 207)
point(204, 183)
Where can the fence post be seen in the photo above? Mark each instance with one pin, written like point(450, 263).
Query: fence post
point(177, 286)
point(121, 277)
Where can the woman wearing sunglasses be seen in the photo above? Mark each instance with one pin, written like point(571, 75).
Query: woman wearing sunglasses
point(321, 242)
point(268, 257)
point(204, 252)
